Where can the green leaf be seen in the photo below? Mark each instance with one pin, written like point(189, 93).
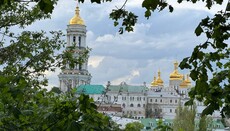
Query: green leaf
point(198, 30)
point(179, 1)
point(147, 14)
point(46, 6)
point(170, 8)
point(194, 75)
point(96, 1)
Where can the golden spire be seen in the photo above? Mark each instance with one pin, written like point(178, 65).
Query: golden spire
point(154, 83)
point(188, 80)
point(76, 19)
point(175, 75)
point(176, 65)
point(159, 80)
point(183, 84)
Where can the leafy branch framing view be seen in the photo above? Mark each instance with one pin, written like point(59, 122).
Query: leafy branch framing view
point(28, 55)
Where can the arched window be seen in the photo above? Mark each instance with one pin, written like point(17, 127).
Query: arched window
point(131, 105)
point(138, 105)
point(74, 39)
point(79, 41)
point(123, 105)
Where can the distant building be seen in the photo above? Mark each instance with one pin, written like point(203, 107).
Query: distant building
point(132, 99)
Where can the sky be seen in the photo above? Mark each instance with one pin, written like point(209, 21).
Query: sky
point(137, 56)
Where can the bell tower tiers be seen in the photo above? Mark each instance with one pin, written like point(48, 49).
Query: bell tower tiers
point(76, 37)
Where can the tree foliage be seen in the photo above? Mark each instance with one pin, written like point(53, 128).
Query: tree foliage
point(212, 89)
point(24, 59)
point(162, 127)
point(185, 118)
point(205, 123)
point(133, 126)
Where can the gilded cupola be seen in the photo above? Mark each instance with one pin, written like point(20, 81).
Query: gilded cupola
point(187, 80)
point(76, 19)
point(175, 75)
point(159, 81)
point(183, 84)
point(154, 82)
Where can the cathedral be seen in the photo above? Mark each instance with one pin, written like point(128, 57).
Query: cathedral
point(156, 101)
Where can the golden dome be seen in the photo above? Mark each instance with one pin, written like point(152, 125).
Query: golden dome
point(188, 80)
point(76, 19)
point(159, 81)
point(183, 84)
point(154, 83)
point(175, 75)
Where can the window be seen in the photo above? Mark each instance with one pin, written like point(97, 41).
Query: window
point(131, 105)
point(138, 105)
point(139, 112)
point(151, 100)
point(131, 98)
point(115, 98)
point(161, 100)
point(134, 112)
point(79, 41)
point(123, 98)
point(143, 105)
point(144, 98)
point(138, 98)
point(175, 101)
point(170, 110)
point(74, 39)
point(123, 105)
point(155, 100)
point(170, 101)
point(160, 110)
point(80, 67)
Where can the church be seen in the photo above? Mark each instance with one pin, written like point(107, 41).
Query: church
point(133, 101)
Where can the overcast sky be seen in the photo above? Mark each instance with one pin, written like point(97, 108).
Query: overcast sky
point(131, 57)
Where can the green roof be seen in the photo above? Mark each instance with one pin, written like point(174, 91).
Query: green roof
point(127, 88)
point(90, 89)
point(151, 123)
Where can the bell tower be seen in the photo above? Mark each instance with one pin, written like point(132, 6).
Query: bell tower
point(76, 38)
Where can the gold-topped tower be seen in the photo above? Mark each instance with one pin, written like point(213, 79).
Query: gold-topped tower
point(183, 84)
point(154, 82)
point(187, 80)
point(77, 19)
point(159, 81)
point(175, 75)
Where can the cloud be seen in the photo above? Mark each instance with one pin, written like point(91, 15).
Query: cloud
point(136, 56)
point(126, 78)
point(155, 44)
point(94, 61)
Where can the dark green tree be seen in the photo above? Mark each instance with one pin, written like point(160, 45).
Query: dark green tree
point(134, 126)
point(185, 118)
point(205, 123)
point(162, 127)
point(24, 59)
